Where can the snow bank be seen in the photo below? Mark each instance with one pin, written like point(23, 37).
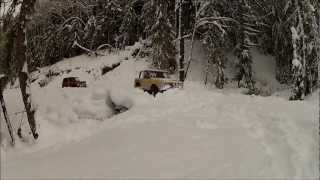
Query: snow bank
point(67, 115)
point(83, 64)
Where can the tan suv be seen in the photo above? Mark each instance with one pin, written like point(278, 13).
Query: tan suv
point(154, 81)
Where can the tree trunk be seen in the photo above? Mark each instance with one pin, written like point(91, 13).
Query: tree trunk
point(26, 97)
point(245, 57)
point(318, 54)
point(4, 110)
point(26, 10)
point(191, 52)
point(181, 42)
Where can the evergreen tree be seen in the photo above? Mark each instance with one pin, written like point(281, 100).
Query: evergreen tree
point(211, 24)
point(304, 40)
point(280, 22)
point(162, 36)
point(311, 28)
point(246, 33)
point(131, 27)
point(214, 39)
point(90, 31)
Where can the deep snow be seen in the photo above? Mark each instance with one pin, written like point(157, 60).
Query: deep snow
point(194, 132)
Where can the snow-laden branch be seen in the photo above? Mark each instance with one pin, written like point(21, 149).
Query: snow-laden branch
point(252, 30)
point(104, 45)
point(294, 13)
point(202, 8)
point(214, 21)
point(76, 44)
point(69, 20)
point(204, 21)
point(89, 51)
point(208, 19)
point(182, 37)
point(101, 47)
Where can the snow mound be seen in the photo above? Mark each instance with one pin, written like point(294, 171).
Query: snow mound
point(67, 115)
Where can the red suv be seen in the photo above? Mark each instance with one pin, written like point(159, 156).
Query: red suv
point(73, 82)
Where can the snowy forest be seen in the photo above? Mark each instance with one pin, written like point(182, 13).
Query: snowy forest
point(287, 30)
point(43, 37)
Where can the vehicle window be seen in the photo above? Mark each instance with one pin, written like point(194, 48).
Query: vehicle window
point(66, 79)
point(160, 75)
point(146, 75)
point(166, 75)
point(153, 74)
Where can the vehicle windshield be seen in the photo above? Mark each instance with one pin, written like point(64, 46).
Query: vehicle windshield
point(155, 74)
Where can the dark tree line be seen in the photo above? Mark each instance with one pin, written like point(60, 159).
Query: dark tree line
point(286, 29)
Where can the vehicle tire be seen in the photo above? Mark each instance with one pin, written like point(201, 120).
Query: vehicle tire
point(154, 90)
point(137, 84)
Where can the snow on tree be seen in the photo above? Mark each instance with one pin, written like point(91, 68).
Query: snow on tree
point(297, 69)
point(131, 27)
point(91, 31)
point(247, 31)
point(304, 40)
point(280, 37)
point(211, 26)
point(62, 29)
point(162, 36)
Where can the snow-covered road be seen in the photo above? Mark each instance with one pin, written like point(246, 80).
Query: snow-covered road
point(190, 133)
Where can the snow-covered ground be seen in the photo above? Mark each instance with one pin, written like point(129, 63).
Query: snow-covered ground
point(194, 132)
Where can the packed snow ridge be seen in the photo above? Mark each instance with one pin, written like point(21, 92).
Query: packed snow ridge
point(193, 132)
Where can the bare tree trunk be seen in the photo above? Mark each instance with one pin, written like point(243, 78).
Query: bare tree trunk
point(191, 52)
point(318, 54)
point(26, 10)
point(26, 97)
point(181, 43)
point(4, 110)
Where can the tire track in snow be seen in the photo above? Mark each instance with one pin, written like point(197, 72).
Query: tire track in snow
point(282, 138)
